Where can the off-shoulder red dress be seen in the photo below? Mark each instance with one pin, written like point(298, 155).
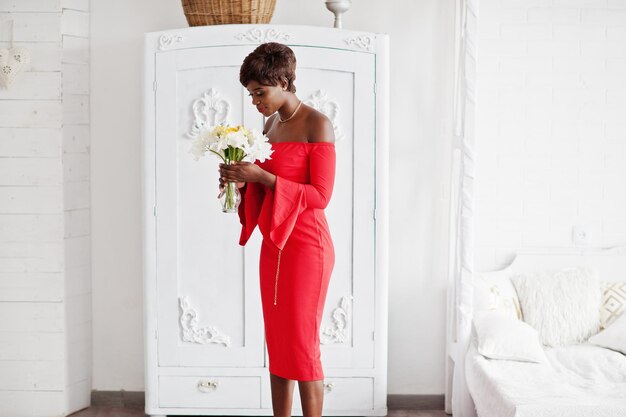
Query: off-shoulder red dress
point(297, 255)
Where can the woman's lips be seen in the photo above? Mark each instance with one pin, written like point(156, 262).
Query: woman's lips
point(261, 109)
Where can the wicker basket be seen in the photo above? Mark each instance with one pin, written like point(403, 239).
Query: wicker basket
point(221, 12)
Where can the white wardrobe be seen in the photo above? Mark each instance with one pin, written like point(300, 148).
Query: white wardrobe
point(204, 345)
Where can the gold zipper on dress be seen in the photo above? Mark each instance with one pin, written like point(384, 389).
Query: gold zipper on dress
point(276, 282)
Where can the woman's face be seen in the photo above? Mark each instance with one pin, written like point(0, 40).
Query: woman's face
point(266, 98)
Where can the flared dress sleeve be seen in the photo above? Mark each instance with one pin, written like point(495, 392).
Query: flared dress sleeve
point(252, 195)
point(291, 198)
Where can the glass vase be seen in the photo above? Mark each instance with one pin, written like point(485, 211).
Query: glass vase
point(231, 197)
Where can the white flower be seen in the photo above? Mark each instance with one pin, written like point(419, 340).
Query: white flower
point(237, 140)
point(207, 134)
point(198, 149)
point(260, 150)
point(219, 138)
point(201, 144)
point(255, 136)
point(219, 144)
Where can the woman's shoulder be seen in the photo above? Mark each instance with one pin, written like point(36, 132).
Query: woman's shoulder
point(319, 126)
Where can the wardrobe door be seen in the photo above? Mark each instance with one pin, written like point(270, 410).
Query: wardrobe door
point(207, 285)
point(341, 84)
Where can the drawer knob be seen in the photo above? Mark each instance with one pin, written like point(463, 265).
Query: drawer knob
point(207, 386)
point(328, 386)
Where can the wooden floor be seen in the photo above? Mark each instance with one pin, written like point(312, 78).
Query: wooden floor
point(104, 411)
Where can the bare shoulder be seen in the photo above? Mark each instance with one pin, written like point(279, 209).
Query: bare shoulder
point(320, 128)
point(269, 123)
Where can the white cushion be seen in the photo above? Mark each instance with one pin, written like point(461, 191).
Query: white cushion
point(563, 305)
point(613, 337)
point(613, 302)
point(494, 291)
point(500, 336)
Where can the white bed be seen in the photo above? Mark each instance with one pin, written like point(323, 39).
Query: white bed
point(580, 381)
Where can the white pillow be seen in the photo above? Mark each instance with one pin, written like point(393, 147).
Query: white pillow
point(563, 305)
point(494, 291)
point(500, 336)
point(613, 302)
point(613, 337)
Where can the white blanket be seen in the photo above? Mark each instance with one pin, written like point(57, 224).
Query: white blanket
point(580, 381)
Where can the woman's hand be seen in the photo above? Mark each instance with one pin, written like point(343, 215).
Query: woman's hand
point(242, 172)
point(223, 179)
point(222, 186)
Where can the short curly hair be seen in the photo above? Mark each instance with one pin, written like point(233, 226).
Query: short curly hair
point(269, 64)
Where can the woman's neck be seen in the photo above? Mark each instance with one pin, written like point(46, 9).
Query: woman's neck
point(288, 109)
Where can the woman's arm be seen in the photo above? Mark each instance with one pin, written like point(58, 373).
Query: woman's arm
point(321, 174)
point(321, 161)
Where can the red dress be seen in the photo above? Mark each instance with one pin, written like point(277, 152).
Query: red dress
point(297, 254)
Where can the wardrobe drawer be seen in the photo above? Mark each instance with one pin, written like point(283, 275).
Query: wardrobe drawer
point(348, 393)
point(209, 392)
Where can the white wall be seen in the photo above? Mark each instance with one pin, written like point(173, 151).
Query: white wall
point(551, 133)
point(45, 282)
point(421, 82)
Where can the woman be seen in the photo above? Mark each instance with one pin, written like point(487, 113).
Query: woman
point(286, 196)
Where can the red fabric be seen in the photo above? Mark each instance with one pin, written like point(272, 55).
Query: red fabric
point(292, 221)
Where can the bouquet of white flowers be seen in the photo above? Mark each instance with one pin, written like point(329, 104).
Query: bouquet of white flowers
point(231, 144)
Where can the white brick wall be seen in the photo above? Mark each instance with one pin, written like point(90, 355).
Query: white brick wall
point(45, 277)
point(551, 136)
